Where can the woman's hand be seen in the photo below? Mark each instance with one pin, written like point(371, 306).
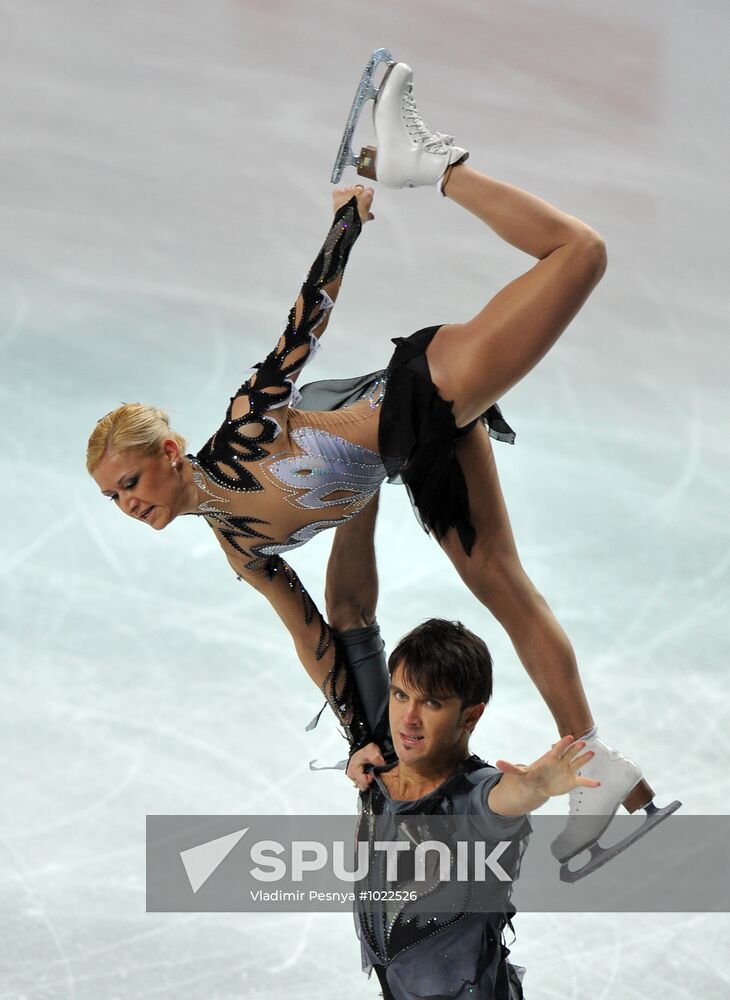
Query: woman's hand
point(364, 197)
point(356, 772)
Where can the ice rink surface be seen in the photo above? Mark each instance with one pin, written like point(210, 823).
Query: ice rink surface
point(164, 184)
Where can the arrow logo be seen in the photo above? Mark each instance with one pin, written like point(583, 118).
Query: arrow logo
point(200, 862)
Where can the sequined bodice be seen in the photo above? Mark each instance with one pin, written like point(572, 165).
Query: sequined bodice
point(318, 470)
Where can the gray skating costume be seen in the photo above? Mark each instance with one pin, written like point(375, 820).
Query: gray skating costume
point(443, 955)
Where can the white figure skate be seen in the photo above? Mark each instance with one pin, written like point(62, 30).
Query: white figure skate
point(592, 809)
point(407, 152)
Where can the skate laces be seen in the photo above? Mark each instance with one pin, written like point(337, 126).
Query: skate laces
point(433, 142)
point(575, 800)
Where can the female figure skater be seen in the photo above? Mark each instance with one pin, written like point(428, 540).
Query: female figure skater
point(273, 475)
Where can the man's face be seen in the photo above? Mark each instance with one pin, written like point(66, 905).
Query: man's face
point(427, 731)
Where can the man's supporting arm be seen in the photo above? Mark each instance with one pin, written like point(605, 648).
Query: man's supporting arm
point(351, 595)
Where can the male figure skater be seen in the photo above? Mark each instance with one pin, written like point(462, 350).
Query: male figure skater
point(440, 682)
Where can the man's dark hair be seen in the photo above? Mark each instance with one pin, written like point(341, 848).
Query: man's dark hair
point(443, 659)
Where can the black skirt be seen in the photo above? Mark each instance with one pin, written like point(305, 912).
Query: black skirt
point(417, 433)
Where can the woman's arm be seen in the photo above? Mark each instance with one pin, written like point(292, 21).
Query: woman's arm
point(352, 209)
point(248, 426)
point(270, 385)
point(317, 646)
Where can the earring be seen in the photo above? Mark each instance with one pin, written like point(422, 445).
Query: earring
point(173, 463)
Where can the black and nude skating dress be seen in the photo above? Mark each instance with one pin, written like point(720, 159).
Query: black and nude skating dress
point(286, 465)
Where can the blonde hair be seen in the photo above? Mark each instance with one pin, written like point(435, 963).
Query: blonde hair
point(131, 427)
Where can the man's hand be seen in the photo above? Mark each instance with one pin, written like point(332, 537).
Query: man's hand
point(364, 198)
point(356, 772)
point(526, 786)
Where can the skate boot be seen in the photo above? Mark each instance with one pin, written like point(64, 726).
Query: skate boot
point(407, 152)
point(592, 809)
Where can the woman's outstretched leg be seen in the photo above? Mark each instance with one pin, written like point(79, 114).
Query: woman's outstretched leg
point(495, 576)
point(475, 363)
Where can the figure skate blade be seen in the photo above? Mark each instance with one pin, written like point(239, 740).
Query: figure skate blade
point(366, 91)
point(602, 855)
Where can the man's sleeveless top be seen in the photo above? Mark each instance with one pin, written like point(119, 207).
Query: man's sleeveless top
point(451, 953)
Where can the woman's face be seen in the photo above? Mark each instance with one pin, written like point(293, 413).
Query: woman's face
point(146, 487)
